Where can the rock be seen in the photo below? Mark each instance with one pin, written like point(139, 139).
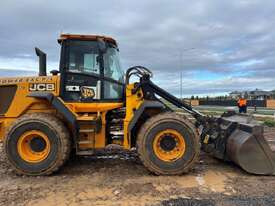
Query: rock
point(14, 187)
point(116, 192)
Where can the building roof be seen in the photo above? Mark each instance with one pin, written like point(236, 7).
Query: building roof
point(85, 37)
point(235, 92)
point(254, 94)
point(259, 92)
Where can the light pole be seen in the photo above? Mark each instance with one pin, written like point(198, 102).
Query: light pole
point(180, 85)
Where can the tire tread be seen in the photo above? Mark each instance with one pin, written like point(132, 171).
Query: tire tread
point(51, 121)
point(155, 120)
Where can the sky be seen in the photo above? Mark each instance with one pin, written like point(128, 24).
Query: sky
point(216, 46)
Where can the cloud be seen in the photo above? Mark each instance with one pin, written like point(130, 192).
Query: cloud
point(14, 73)
point(232, 38)
point(220, 86)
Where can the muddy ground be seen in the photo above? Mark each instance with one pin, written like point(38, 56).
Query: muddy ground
point(119, 178)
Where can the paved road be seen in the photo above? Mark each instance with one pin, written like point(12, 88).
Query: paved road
point(260, 110)
point(221, 109)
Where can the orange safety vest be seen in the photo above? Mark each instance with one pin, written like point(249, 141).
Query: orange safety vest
point(242, 102)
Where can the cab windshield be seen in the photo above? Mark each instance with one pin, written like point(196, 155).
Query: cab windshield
point(112, 67)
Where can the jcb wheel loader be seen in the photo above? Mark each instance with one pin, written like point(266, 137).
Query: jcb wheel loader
point(89, 104)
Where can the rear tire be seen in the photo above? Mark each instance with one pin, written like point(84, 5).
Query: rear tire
point(37, 144)
point(168, 144)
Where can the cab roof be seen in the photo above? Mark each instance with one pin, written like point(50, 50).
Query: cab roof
point(85, 37)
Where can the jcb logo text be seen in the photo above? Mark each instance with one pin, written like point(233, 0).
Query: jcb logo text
point(41, 87)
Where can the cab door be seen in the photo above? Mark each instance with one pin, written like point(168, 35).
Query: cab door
point(82, 72)
point(89, 75)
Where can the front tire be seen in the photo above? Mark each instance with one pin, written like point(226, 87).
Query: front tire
point(168, 144)
point(37, 144)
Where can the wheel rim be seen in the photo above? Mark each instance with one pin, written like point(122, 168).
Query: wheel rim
point(169, 145)
point(33, 146)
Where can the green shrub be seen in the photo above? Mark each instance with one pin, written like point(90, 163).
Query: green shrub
point(269, 123)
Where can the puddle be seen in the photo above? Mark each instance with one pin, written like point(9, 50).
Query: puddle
point(215, 181)
point(200, 180)
point(188, 181)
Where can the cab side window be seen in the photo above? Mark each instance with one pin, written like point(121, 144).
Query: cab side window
point(83, 59)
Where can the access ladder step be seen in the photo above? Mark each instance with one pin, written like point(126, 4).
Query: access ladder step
point(86, 142)
point(86, 130)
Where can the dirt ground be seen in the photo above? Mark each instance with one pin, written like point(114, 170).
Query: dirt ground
point(118, 178)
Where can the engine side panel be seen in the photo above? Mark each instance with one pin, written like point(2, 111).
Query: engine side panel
point(26, 85)
point(15, 101)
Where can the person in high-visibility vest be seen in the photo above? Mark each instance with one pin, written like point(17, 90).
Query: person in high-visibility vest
point(242, 104)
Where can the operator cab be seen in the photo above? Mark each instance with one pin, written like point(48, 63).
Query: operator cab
point(90, 69)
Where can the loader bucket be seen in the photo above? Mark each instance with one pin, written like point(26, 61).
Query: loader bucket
point(248, 148)
point(240, 139)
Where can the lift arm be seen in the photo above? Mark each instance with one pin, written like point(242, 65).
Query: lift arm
point(150, 89)
point(231, 137)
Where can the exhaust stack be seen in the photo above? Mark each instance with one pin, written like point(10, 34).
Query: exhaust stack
point(42, 62)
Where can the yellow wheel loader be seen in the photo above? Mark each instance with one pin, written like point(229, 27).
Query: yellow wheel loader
point(89, 103)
